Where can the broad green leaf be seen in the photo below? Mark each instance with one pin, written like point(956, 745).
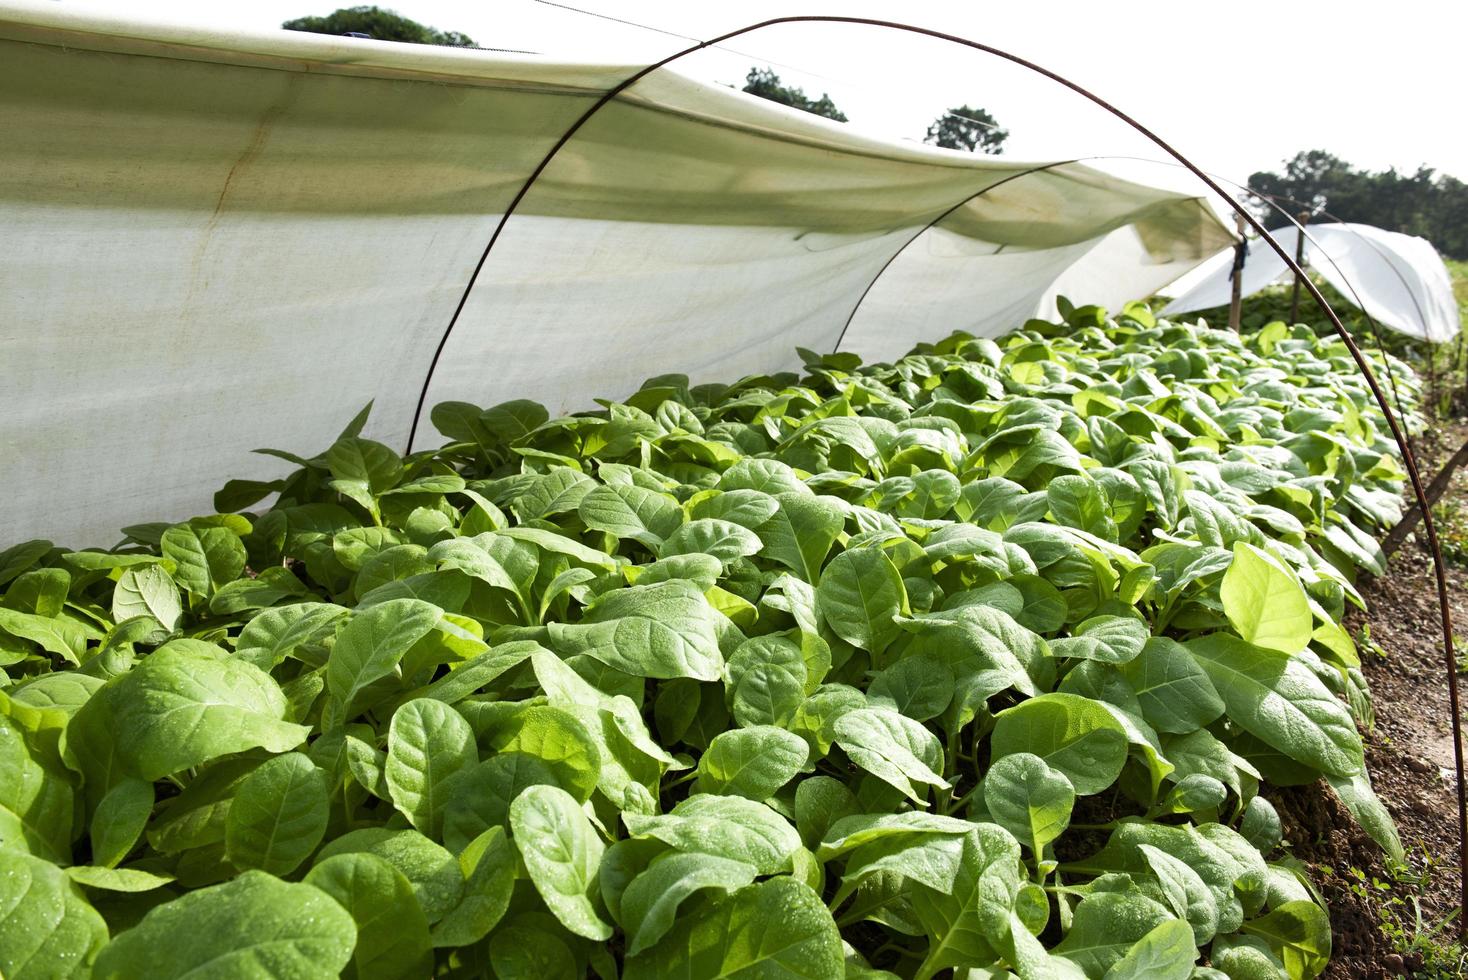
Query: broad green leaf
point(779, 928)
point(18, 558)
point(560, 490)
point(471, 676)
point(983, 647)
point(460, 421)
point(1079, 502)
point(1194, 854)
point(206, 557)
point(559, 544)
point(561, 852)
point(560, 740)
point(254, 925)
point(177, 710)
point(476, 557)
point(365, 763)
point(1264, 602)
point(1262, 827)
point(1358, 796)
point(1247, 962)
point(279, 815)
point(751, 762)
point(820, 802)
point(704, 571)
point(117, 879)
point(274, 634)
point(63, 637)
point(1193, 793)
point(1109, 639)
point(107, 561)
point(372, 644)
point(860, 596)
point(665, 630)
point(1029, 799)
point(1184, 891)
point(800, 534)
point(1165, 953)
point(894, 748)
point(765, 475)
point(723, 826)
point(525, 953)
point(428, 744)
point(39, 797)
point(646, 516)
point(431, 483)
point(1299, 933)
point(44, 705)
point(198, 816)
point(919, 687)
point(1106, 926)
point(747, 508)
point(266, 589)
point(119, 819)
point(1277, 698)
point(47, 929)
point(513, 420)
point(147, 591)
point(489, 863)
point(630, 759)
point(392, 932)
point(437, 880)
point(767, 681)
point(966, 918)
point(724, 540)
point(1074, 735)
point(650, 902)
point(847, 833)
point(370, 463)
point(1174, 693)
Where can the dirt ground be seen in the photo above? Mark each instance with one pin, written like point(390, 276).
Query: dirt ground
point(1410, 758)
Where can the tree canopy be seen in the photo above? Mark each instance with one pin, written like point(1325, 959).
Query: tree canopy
point(1424, 203)
point(380, 25)
point(967, 128)
point(764, 83)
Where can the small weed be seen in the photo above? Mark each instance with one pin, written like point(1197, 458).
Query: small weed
point(1364, 641)
point(1428, 945)
point(1452, 531)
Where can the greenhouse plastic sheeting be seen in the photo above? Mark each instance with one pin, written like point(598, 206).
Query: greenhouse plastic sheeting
point(215, 242)
point(1400, 280)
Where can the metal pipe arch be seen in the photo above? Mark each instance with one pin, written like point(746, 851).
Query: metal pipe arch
point(1362, 364)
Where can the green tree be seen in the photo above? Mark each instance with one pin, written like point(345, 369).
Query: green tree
point(965, 128)
point(379, 24)
point(1424, 202)
point(764, 83)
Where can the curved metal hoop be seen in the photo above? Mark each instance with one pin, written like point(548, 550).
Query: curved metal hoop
point(929, 227)
point(1362, 365)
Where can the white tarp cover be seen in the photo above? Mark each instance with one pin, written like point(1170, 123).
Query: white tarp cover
point(216, 242)
point(1399, 280)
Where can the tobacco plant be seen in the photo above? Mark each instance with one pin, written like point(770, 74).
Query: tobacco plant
point(986, 661)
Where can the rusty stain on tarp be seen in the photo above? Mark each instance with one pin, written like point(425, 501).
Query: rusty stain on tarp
point(198, 271)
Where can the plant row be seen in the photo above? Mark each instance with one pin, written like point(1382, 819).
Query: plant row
point(988, 660)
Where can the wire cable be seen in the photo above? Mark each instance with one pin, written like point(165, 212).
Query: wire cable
point(753, 57)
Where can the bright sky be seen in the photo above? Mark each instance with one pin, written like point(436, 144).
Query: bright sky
point(1380, 85)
